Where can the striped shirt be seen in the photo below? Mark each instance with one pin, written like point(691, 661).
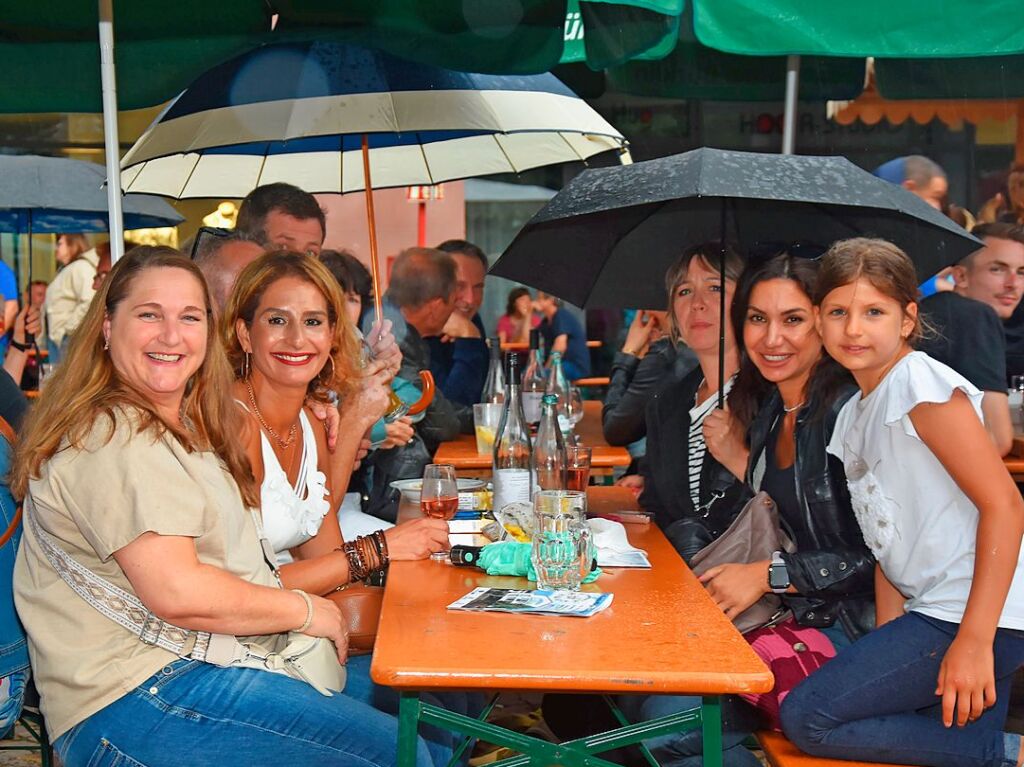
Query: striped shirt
point(697, 447)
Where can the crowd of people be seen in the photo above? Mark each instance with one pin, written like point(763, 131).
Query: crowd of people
point(211, 457)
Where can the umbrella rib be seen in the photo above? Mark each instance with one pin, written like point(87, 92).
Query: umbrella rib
point(423, 154)
point(188, 178)
point(504, 153)
point(263, 164)
point(561, 135)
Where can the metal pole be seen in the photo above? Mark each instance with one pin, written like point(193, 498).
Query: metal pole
point(789, 118)
point(111, 141)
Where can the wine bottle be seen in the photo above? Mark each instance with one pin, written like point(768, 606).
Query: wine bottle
point(513, 456)
point(494, 384)
point(533, 381)
point(558, 386)
point(549, 449)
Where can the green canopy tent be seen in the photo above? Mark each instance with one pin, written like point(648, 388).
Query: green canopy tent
point(49, 49)
point(912, 29)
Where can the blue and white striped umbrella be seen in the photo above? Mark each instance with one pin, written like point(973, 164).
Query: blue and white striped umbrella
point(298, 113)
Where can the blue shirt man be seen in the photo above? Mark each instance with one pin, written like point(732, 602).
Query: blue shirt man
point(563, 333)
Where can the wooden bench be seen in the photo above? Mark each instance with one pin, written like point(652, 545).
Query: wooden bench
point(592, 381)
point(781, 753)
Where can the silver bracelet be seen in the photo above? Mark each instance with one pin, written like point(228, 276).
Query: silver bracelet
point(309, 610)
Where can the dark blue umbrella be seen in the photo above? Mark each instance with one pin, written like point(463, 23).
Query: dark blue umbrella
point(50, 195)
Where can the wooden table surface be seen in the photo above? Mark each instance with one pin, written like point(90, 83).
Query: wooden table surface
point(1015, 460)
point(662, 633)
point(461, 452)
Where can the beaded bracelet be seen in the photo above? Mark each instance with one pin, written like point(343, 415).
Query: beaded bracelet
point(366, 554)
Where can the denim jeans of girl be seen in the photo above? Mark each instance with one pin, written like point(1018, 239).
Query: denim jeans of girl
point(196, 713)
point(876, 701)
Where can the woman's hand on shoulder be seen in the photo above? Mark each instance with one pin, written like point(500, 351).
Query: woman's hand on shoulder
point(725, 440)
point(417, 538)
point(638, 338)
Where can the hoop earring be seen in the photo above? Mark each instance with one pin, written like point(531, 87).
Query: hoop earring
point(245, 368)
point(330, 359)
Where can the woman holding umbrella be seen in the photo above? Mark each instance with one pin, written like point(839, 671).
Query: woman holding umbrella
point(692, 495)
point(68, 296)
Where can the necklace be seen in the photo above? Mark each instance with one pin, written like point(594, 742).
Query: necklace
point(795, 407)
point(285, 443)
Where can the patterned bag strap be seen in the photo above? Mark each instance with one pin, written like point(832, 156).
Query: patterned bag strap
point(122, 607)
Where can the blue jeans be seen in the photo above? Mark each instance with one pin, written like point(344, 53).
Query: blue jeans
point(876, 701)
point(440, 742)
point(231, 717)
point(685, 749)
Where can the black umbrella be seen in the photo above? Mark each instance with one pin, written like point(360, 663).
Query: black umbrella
point(610, 235)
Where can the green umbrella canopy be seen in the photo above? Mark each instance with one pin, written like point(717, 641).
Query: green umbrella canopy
point(695, 71)
point(989, 77)
point(907, 28)
point(50, 56)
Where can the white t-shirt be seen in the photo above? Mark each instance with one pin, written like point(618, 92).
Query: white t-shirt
point(916, 520)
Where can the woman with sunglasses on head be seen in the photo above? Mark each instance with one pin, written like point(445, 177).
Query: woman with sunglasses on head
point(787, 395)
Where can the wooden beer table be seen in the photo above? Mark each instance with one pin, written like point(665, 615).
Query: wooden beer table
point(461, 452)
point(662, 634)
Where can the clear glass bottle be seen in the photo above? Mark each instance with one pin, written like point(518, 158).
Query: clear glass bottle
point(494, 384)
point(558, 386)
point(549, 458)
point(533, 381)
point(513, 455)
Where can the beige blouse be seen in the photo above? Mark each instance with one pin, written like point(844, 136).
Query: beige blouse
point(94, 501)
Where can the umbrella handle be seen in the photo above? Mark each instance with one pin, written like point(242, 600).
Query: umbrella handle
point(427, 379)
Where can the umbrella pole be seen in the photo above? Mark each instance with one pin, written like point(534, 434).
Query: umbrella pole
point(111, 141)
point(372, 223)
point(789, 116)
point(721, 306)
point(30, 339)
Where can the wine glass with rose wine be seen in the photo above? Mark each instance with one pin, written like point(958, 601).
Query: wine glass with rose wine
point(439, 496)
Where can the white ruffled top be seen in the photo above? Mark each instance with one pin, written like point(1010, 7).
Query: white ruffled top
point(916, 520)
point(292, 514)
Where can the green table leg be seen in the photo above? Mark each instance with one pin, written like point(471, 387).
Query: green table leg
point(408, 727)
point(711, 722)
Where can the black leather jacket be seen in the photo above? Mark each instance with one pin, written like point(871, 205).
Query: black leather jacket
point(633, 381)
point(832, 568)
point(666, 480)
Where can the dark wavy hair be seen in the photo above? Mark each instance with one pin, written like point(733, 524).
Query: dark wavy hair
point(514, 295)
point(751, 389)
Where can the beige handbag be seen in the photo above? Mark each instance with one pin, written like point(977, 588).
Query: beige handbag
point(755, 534)
point(310, 659)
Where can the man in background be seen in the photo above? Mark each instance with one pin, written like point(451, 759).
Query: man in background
point(968, 321)
point(458, 355)
point(221, 259)
point(563, 333)
point(284, 217)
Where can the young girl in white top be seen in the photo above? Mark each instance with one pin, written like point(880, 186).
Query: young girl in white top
point(930, 685)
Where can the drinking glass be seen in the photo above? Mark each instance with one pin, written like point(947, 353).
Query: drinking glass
point(45, 369)
point(439, 496)
point(575, 405)
point(562, 551)
point(1016, 401)
point(486, 417)
point(577, 467)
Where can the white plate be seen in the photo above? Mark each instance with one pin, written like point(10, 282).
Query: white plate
point(410, 488)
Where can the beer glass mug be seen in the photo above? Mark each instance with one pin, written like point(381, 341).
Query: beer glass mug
point(562, 553)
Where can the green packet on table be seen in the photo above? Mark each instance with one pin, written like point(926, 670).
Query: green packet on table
point(512, 558)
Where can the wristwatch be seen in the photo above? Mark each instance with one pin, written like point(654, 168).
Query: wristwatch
point(778, 575)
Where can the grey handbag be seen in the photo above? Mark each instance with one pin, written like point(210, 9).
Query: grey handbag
point(755, 534)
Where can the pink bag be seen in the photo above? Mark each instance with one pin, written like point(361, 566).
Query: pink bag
point(792, 652)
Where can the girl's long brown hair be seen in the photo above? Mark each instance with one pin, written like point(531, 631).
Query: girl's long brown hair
point(254, 281)
point(86, 386)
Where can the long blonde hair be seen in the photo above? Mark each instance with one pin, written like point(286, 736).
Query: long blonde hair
point(341, 373)
point(86, 385)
